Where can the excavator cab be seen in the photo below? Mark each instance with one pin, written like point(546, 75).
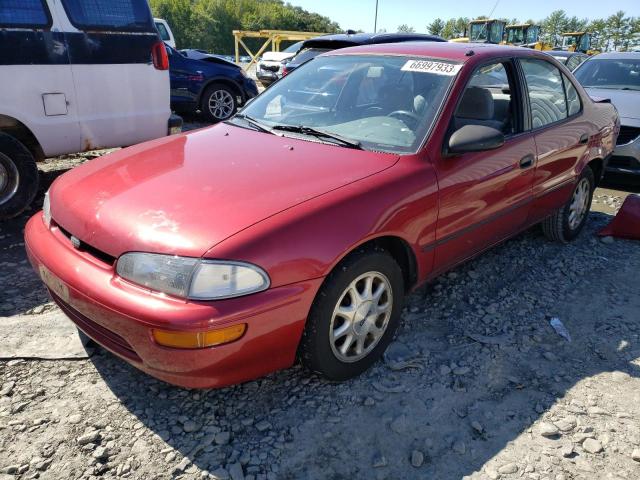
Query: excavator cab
point(525, 35)
point(576, 42)
point(486, 31)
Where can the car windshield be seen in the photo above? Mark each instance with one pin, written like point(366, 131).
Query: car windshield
point(618, 73)
point(293, 48)
point(382, 103)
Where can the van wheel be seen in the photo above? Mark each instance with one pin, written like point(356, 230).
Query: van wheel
point(567, 222)
point(18, 177)
point(218, 103)
point(354, 316)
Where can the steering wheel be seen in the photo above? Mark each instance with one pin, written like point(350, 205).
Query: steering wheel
point(405, 114)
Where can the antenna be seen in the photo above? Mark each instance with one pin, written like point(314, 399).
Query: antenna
point(375, 21)
point(494, 8)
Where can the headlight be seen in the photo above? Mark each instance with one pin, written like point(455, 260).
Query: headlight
point(46, 210)
point(191, 277)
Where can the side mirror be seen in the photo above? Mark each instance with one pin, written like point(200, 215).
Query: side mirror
point(475, 138)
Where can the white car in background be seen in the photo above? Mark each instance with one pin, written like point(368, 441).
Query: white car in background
point(270, 67)
point(165, 32)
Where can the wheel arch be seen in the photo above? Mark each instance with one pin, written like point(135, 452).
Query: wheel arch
point(224, 81)
point(18, 130)
point(597, 167)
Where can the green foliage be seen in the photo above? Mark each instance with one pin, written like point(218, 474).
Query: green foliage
point(436, 27)
point(404, 28)
point(208, 24)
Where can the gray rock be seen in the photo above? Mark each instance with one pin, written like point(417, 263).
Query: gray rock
point(566, 424)
point(74, 419)
point(459, 447)
point(369, 402)
point(90, 437)
point(400, 424)
point(100, 453)
point(417, 458)
point(263, 426)
point(548, 430)
point(508, 469)
point(636, 454)
point(222, 438)
point(235, 471)
point(567, 450)
point(379, 460)
point(592, 445)
point(220, 474)
point(477, 427)
point(607, 240)
point(190, 426)
point(461, 370)
point(7, 388)
point(444, 370)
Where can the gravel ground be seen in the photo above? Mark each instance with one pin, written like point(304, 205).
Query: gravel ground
point(476, 385)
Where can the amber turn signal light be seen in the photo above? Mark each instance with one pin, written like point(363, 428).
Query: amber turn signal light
point(210, 338)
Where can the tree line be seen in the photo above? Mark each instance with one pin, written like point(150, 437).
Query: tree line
point(207, 24)
point(618, 32)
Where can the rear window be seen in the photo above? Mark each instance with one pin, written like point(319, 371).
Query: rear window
point(308, 54)
point(23, 13)
point(118, 15)
point(164, 35)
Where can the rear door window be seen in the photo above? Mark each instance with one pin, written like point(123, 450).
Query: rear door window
point(573, 99)
point(546, 92)
point(110, 15)
point(24, 13)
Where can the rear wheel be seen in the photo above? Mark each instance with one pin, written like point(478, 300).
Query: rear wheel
point(18, 177)
point(219, 103)
point(354, 316)
point(567, 223)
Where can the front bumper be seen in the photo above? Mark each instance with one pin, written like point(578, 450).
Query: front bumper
point(626, 158)
point(120, 317)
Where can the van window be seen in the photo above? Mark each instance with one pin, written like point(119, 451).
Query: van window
point(23, 13)
point(120, 15)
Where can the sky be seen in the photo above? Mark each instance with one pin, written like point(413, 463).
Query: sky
point(359, 14)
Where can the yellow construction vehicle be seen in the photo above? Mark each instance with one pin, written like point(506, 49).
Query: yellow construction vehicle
point(483, 31)
point(577, 42)
point(525, 35)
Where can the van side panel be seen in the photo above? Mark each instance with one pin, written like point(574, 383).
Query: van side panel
point(34, 67)
point(122, 98)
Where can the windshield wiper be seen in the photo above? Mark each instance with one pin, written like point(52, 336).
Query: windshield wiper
point(334, 137)
point(253, 122)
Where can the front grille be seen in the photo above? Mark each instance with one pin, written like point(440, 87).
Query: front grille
point(270, 68)
point(100, 334)
point(85, 247)
point(628, 134)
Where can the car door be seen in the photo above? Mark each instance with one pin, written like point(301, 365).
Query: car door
point(559, 129)
point(485, 195)
point(183, 76)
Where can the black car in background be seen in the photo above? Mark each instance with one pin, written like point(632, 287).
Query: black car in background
point(315, 46)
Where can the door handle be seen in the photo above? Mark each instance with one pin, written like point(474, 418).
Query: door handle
point(584, 139)
point(527, 161)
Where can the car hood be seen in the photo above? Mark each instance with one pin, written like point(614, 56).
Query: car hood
point(626, 101)
point(182, 195)
point(276, 56)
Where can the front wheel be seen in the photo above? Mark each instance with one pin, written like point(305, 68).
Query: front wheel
point(354, 316)
point(18, 177)
point(567, 222)
point(218, 103)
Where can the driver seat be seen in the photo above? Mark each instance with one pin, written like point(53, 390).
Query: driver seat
point(476, 108)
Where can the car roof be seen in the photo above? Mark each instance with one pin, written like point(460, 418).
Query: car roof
point(341, 40)
point(618, 55)
point(444, 50)
point(562, 53)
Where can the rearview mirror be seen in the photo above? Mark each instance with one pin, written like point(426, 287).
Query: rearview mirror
point(475, 138)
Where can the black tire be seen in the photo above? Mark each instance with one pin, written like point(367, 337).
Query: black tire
point(316, 351)
point(18, 177)
point(557, 227)
point(213, 90)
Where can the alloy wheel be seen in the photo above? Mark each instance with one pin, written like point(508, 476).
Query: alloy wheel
point(579, 203)
point(221, 104)
point(361, 316)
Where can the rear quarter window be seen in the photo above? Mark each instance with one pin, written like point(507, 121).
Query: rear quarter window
point(106, 15)
point(24, 13)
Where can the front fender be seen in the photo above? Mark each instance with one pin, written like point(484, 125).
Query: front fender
point(308, 240)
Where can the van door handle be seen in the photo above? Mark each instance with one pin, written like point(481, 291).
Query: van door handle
point(527, 161)
point(584, 139)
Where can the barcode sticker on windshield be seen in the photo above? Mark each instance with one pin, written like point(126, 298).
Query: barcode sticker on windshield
point(428, 66)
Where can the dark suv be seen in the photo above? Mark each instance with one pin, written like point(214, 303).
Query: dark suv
point(315, 46)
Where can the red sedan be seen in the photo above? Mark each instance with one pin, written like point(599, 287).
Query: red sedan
point(296, 228)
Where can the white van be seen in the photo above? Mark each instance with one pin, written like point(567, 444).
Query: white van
point(76, 75)
point(165, 32)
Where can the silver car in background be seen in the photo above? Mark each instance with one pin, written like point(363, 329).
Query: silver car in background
point(616, 76)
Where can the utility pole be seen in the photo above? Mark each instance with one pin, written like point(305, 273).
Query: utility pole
point(375, 22)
